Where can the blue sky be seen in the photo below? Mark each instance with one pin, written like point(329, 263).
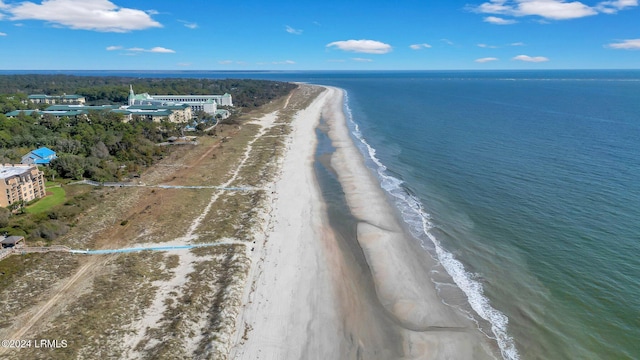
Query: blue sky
point(318, 35)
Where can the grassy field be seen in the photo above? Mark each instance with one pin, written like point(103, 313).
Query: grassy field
point(55, 196)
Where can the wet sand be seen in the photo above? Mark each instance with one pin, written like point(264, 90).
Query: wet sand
point(313, 295)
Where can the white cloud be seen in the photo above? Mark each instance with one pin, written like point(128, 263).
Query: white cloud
point(419, 46)
point(485, 46)
point(612, 7)
point(528, 58)
point(630, 44)
point(3, 34)
point(492, 7)
point(556, 10)
point(190, 25)
point(362, 46)
point(184, 64)
point(225, 62)
point(498, 21)
point(157, 49)
point(517, 44)
point(98, 15)
point(286, 62)
point(547, 9)
point(486, 59)
point(361, 60)
point(447, 41)
point(291, 30)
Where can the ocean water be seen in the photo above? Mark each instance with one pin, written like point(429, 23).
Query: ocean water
point(525, 185)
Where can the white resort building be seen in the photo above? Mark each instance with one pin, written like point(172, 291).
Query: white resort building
point(174, 108)
point(206, 103)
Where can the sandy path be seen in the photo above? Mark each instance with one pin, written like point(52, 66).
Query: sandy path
point(172, 288)
point(55, 300)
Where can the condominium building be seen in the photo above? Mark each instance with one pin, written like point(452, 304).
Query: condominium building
point(177, 113)
point(20, 183)
point(56, 99)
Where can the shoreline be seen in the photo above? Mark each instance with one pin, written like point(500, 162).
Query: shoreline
point(308, 295)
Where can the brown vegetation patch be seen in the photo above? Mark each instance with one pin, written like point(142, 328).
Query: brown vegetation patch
point(208, 292)
point(149, 223)
point(117, 289)
point(232, 216)
point(96, 320)
point(24, 278)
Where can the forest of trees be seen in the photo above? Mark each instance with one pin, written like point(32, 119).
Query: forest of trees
point(98, 90)
point(102, 147)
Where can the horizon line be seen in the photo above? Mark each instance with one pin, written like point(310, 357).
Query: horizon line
point(319, 70)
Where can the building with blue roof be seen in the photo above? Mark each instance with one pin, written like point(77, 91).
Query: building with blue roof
point(41, 156)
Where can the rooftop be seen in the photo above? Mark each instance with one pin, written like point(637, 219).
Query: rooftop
point(81, 107)
point(11, 240)
point(43, 152)
point(65, 96)
point(7, 171)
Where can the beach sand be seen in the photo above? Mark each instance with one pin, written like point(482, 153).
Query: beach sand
point(310, 295)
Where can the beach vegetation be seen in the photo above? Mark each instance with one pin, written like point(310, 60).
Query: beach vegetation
point(119, 289)
point(101, 146)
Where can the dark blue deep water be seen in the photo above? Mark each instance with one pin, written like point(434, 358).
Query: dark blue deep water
point(525, 185)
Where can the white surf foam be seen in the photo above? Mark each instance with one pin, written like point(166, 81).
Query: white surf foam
point(419, 221)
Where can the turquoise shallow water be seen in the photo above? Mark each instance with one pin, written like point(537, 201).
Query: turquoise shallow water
point(525, 185)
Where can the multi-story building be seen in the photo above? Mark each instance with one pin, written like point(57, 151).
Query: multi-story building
point(177, 113)
point(20, 183)
point(56, 99)
point(206, 103)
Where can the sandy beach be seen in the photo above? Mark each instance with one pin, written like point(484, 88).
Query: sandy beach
point(311, 296)
point(277, 278)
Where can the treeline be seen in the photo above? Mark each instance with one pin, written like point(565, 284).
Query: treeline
point(98, 90)
point(102, 147)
